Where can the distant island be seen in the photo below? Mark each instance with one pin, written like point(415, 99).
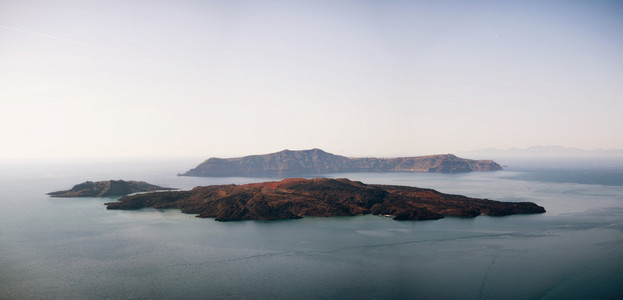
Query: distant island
point(320, 197)
point(545, 152)
point(107, 188)
point(316, 161)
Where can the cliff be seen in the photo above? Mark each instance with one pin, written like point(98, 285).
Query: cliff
point(107, 188)
point(316, 161)
point(296, 198)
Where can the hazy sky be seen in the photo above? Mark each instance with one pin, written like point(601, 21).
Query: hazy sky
point(227, 78)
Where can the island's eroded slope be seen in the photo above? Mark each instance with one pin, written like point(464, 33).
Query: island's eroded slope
point(316, 161)
point(108, 188)
point(297, 197)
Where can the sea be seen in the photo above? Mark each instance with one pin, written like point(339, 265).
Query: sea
point(73, 248)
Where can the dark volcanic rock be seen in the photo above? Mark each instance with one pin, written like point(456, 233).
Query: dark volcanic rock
point(316, 161)
point(107, 188)
point(297, 197)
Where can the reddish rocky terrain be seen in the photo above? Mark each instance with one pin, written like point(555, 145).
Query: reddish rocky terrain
point(107, 188)
point(296, 198)
point(316, 161)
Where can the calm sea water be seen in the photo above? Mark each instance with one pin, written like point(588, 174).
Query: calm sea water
point(54, 248)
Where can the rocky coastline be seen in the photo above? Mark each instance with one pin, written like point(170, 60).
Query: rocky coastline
point(320, 197)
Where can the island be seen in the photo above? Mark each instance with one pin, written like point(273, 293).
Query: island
point(107, 188)
point(289, 163)
point(320, 197)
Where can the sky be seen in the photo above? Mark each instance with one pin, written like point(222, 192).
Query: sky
point(159, 78)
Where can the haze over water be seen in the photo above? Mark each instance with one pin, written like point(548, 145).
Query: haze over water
point(74, 248)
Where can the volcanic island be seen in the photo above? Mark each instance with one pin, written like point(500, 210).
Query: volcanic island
point(295, 198)
point(303, 163)
point(107, 188)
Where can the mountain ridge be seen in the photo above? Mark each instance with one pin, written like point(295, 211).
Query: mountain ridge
point(317, 161)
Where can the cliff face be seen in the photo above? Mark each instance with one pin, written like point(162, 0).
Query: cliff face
point(443, 163)
point(316, 161)
point(107, 188)
point(295, 198)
